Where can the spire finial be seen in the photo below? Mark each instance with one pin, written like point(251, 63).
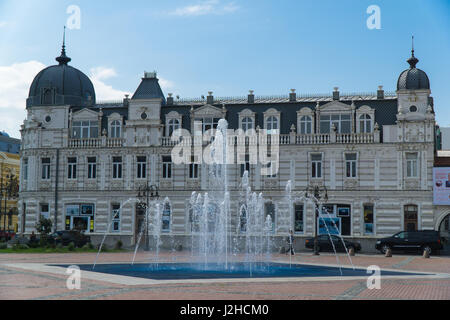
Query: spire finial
point(413, 61)
point(63, 59)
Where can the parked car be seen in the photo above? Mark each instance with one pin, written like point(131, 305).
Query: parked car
point(326, 245)
point(7, 235)
point(66, 237)
point(412, 241)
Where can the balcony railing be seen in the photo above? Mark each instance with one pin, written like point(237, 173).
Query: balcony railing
point(292, 139)
point(96, 143)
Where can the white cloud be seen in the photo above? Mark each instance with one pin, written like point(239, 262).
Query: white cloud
point(206, 7)
point(166, 84)
point(2, 24)
point(15, 81)
point(103, 91)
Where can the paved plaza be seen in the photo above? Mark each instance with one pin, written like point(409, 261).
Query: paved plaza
point(28, 276)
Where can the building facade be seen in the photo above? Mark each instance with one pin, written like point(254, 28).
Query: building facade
point(9, 174)
point(84, 162)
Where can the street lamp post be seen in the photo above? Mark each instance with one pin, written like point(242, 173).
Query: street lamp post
point(319, 196)
point(145, 195)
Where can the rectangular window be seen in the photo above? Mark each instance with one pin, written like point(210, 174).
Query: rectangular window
point(92, 168)
point(167, 167)
point(245, 167)
point(116, 218)
point(369, 219)
point(85, 129)
point(141, 167)
point(316, 161)
point(25, 169)
point(193, 168)
point(46, 169)
point(351, 165)
point(72, 168)
point(298, 218)
point(411, 165)
point(45, 211)
point(117, 167)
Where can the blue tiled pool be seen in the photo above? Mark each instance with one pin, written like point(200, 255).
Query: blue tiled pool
point(188, 271)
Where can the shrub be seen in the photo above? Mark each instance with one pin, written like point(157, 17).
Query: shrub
point(119, 245)
point(3, 246)
point(71, 246)
point(20, 247)
point(104, 248)
point(85, 247)
point(90, 246)
point(44, 227)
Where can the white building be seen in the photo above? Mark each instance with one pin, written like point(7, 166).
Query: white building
point(82, 160)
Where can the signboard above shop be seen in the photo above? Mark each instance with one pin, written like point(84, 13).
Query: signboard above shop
point(441, 186)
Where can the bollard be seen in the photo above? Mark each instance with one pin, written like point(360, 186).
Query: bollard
point(388, 253)
point(351, 252)
point(426, 254)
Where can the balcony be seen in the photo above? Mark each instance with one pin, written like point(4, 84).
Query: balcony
point(293, 139)
point(96, 143)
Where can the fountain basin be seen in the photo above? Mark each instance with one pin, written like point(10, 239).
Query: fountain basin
point(189, 271)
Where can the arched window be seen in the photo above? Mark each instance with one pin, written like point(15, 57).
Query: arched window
point(167, 213)
point(172, 126)
point(365, 124)
point(247, 124)
point(116, 129)
point(306, 125)
point(47, 97)
point(411, 217)
point(272, 125)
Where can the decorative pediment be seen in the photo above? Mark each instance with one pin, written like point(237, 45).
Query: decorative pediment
point(115, 116)
point(305, 111)
point(247, 113)
point(208, 111)
point(365, 109)
point(173, 115)
point(335, 106)
point(85, 114)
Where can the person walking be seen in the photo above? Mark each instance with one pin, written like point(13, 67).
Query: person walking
point(290, 241)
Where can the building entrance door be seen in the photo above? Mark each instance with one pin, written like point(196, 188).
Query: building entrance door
point(445, 235)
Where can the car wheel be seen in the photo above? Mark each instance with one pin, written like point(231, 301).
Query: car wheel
point(385, 248)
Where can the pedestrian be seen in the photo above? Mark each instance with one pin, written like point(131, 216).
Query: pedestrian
point(290, 241)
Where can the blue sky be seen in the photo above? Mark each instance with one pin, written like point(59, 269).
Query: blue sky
point(226, 46)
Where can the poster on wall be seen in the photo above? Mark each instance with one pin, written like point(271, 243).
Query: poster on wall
point(329, 225)
point(441, 186)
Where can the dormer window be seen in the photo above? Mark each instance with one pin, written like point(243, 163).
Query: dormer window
point(116, 129)
point(272, 125)
point(342, 123)
point(48, 96)
point(365, 123)
point(306, 125)
point(172, 126)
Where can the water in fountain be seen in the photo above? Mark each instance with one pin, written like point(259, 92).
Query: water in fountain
point(108, 230)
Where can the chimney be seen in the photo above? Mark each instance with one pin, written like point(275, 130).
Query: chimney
point(210, 98)
point(336, 94)
point(126, 100)
point(292, 96)
point(251, 97)
point(380, 93)
point(170, 99)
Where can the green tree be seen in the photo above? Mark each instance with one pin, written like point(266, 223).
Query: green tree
point(44, 228)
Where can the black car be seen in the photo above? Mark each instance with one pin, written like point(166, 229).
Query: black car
point(411, 241)
point(325, 244)
point(66, 237)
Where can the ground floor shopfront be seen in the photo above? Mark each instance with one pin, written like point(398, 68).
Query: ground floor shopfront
point(360, 216)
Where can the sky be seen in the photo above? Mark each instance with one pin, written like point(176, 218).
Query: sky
point(225, 46)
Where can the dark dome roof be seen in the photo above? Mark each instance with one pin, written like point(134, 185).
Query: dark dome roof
point(61, 85)
point(413, 78)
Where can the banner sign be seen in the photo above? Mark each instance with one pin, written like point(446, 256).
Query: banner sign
point(441, 186)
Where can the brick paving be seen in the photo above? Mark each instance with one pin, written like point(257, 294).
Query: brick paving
point(23, 284)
